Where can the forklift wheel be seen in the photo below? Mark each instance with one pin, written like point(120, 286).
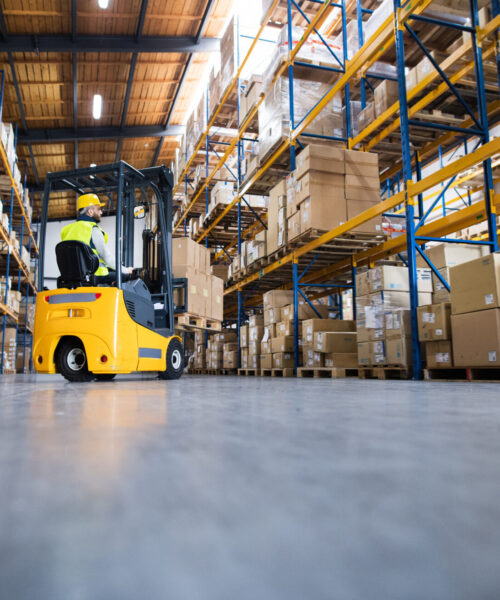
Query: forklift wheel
point(175, 361)
point(71, 361)
point(104, 376)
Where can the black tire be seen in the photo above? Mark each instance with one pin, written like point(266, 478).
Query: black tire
point(71, 361)
point(104, 376)
point(175, 361)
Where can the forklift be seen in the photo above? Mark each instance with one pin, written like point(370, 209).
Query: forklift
point(87, 329)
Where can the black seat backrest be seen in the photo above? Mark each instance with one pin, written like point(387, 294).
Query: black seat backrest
point(77, 264)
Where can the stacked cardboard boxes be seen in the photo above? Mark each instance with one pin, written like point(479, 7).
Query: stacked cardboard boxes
point(475, 308)
point(434, 331)
point(276, 343)
point(9, 349)
point(329, 343)
point(205, 291)
point(382, 314)
point(222, 350)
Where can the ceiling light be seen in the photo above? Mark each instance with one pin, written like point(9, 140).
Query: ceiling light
point(103, 3)
point(97, 106)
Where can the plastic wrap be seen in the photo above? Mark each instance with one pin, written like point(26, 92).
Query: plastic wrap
point(274, 112)
point(228, 64)
point(376, 19)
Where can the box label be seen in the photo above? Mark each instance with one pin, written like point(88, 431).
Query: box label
point(492, 356)
point(439, 332)
point(489, 299)
point(443, 357)
point(429, 317)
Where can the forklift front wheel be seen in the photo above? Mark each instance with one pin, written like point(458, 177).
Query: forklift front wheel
point(175, 361)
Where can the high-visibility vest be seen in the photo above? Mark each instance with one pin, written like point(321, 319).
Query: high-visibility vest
point(81, 231)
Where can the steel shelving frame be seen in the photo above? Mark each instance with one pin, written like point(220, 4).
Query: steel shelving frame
point(406, 191)
point(22, 227)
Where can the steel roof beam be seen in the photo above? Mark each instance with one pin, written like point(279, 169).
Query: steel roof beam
point(44, 136)
point(107, 43)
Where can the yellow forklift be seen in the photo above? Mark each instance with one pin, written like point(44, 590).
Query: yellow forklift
point(92, 328)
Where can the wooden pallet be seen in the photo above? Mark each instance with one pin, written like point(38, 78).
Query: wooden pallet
point(212, 372)
point(188, 321)
point(326, 372)
point(249, 372)
point(476, 374)
point(277, 372)
point(383, 373)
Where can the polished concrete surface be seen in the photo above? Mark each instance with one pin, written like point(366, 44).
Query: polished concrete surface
point(248, 488)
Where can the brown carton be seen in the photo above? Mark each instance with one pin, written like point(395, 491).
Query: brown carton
point(320, 186)
point(377, 353)
point(398, 352)
point(255, 334)
point(266, 347)
point(254, 347)
point(278, 192)
point(293, 224)
point(362, 283)
point(277, 298)
point(335, 341)
point(185, 253)
point(397, 323)
point(282, 344)
point(266, 361)
point(283, 360)
point(317, 157)
point(272, 316)
point(217, 299)
point(475, 285)
point(311, 326)
point(476, 338)
point(356, 207)
point(439, 354)
point(434, 322)
point(255, 320)
point(324, 212)
point(440, 293)
point(341, 360)
point(244, 336)
point(305, 311)
point(253, 361)
point(450, 255)
point(364, 354)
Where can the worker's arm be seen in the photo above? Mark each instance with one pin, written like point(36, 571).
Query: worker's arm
point(103, 251)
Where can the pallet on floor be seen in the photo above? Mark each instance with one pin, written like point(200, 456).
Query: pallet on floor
point(212, 372)
point(384, 373)
point(326, 372)
point(477, 374)
point(249, 372)
point(276, 372)
point(189, 321)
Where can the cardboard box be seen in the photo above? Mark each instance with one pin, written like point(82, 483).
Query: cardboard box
point(255, 320)
point(476, 338)
point(320, 187)
point(284, 328)
point(362, 283)
point(356, 207)
point(397, 299)
point(293, 225)
point(266, 361)
point(253, 361)
point(186, 253)
point(272, 315)
point(312, 326)
point(389, 277)
point(216, 299)
point(334, 341)
point(358, 162)
point(440, 293)
point(385, 95)
point(224, 337)
point(397, 323)
point(450, 255)
point(364, 354)
point(277, 298)
point(306, 312)
point(255, 334)
point(439, 354)
point(243, 336)
point(363, 181)
point(341, 360)
point(278, 192)
point(434, 322)
point(475, 285)
point(324, 212)
point(377, 353)
point(254, 347)
point(230, 360)
point(266, 347)
point(398, 352)
point(196, 301)
point(283, 360)
point(321, 158)
point(282, 344)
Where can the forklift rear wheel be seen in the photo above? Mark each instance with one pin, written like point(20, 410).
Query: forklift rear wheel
point(175, 361)
point(104, 376)
point(71, 361)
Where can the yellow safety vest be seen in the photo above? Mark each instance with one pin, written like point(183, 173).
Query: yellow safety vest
point(81, 231)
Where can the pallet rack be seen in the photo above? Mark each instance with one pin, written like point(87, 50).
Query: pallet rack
point(11, 259)
point(322, 264)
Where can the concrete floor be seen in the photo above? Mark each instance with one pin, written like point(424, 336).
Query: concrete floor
point(248, 488)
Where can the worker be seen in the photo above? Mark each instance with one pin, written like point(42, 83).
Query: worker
point(86, 229)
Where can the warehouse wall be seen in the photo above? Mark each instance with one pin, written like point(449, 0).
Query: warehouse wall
point(107, 223)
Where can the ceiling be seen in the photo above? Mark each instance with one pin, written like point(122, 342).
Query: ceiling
point(145, 57)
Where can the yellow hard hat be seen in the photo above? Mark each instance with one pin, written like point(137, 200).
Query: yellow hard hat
point(89, 200)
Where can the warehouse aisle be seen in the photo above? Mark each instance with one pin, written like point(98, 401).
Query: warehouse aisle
point(248, 488)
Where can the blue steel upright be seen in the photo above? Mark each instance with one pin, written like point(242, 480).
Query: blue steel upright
point(409, 206)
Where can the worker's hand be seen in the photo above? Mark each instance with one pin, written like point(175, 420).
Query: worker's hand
point(129, 270)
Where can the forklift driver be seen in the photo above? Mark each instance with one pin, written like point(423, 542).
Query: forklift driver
point(86, 230)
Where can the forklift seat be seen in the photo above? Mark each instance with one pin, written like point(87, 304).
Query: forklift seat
point(77, 264)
